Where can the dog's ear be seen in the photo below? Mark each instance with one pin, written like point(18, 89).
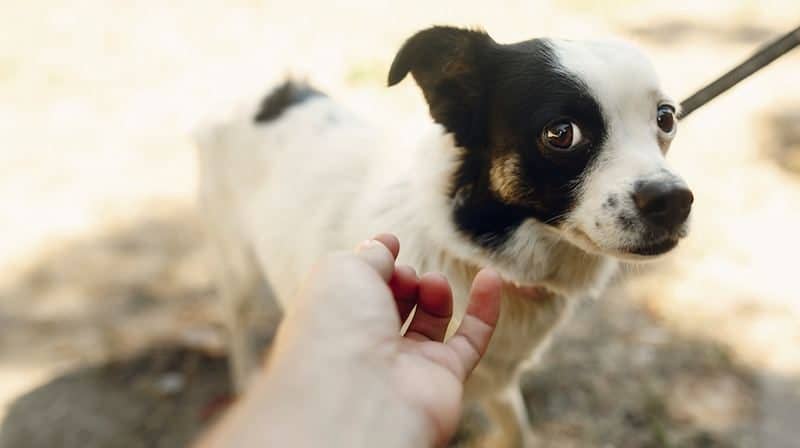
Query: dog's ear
point(446, 63)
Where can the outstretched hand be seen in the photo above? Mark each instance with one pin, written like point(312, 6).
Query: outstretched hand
point(430, 372)
point(342, 374)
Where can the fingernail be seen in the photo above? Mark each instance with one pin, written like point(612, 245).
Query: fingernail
point(366, 244)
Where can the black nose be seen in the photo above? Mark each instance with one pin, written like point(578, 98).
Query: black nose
point(663, 204)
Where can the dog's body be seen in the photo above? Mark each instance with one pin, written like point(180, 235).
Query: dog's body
point(298, 176)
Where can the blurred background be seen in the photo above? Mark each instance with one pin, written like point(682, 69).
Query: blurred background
point(109, 328)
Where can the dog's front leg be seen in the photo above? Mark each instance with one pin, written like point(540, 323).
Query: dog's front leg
point(509, 416)
point(252, 312)
point(252, 324)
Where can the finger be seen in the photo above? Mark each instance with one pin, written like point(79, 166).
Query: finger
point(405, 288)
point(390, 241)
point(472, 337)
point(434, 309)
point(377, 256)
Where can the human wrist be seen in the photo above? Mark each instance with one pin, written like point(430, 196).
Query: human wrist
point(328, 398)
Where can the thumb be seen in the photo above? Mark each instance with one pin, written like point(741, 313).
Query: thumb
point(378, 256)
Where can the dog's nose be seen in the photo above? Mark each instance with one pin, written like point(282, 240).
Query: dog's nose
point(663, 204)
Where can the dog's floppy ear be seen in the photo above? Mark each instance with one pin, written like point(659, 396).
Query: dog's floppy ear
point(446, 64)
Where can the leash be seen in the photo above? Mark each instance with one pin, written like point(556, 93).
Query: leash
point(760, 59)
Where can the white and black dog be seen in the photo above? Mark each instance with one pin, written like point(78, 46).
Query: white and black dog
point(545, 161)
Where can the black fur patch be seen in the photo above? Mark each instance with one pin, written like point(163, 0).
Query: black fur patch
point(283, 97)
point(496, 100)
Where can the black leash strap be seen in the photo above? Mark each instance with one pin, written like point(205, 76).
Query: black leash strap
point(754, 63)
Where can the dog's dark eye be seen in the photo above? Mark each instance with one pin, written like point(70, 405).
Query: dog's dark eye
point(562, 135)
point(666, 118)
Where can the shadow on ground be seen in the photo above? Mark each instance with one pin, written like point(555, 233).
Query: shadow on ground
point(111, 294)
point(159, 399)
point(617, 376)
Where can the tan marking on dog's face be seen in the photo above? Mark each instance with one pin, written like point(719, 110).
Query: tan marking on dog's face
point(505, 177)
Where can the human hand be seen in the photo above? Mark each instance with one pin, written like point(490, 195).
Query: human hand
point(341, 374)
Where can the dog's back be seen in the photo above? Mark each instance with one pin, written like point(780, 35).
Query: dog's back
point(275, 175)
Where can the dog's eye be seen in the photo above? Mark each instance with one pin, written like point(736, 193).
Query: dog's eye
point(666, 118)
point(562, 136)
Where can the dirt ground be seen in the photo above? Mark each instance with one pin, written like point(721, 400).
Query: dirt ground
point(109, 327)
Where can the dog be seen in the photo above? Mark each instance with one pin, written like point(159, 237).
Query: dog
point(545, 159)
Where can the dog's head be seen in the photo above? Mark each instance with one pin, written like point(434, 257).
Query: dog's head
point(571, 134)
